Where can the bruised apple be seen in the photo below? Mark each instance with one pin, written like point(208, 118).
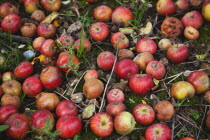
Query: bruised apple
point(143, 59)
point(10, 99)
point(119, 40)
point(91, 74)
point(115, 108)
point(37, 43)
point(31, 5)
point(11, 87)
point(7, 8)
point(28, 29)
point(38, 15)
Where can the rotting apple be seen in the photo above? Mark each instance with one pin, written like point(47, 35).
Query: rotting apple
point(65, 41)
point(38, 15)
point(91, 74)
point(182, 6)
point(165, 7)
point(28, 29)
point(11, 87)
point(37, 43)
point(146, 45)
point(48, 47)
point(10, 99)
point(102, 13)
point(115, 95)
point(164, 44)
point(156, 69)
point(46, 30)
point(125, 54)
point(7, 8)
point(6, 111)
point(51, 5)
point(119, 40)
point(7, 76)
point(143, 59)
point(24, 70)
point(105, 60)
point(191, 33)
point(66, 107)
point(115, 108)
point(99, 31)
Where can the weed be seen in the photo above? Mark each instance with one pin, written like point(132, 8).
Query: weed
point(3, 127)
point(195, 115)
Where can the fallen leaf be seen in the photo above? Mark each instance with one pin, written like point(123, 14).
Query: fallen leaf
point(88, 111)
point(147, 29)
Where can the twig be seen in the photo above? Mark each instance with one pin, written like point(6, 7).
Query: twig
point(20, 39)
point(202, 121)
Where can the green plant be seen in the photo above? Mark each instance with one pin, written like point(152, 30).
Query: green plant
point(195, 115)
point(3, 127)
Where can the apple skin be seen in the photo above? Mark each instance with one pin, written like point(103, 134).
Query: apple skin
point(7, 8)
point(181, 90)
point(178, 53)
point(102, 124)
point(146, 45)
point(119, 40)
point(7, 76)
point(18, 126)
point(191, 33)
point(32, 86)
point(115, 108)
point(207, 97)
point(205, 11)
point(31, 5)
point(48, 47)
point(28, 29)
point(141, 83)
point(11, 87)
point(99, 31)
point(65, 41)
point(37, 43)
point(6, 111)
point(91, 1)
point(124, 123)
point(115, 95)
point(24, 70)
point(164, 44)
point(125, 68)
point(85, 43)
point(105, 60)
point(156, 69)
point(102, 13)
point(193, 18)
point(91, 74)
point(165, 7)
point(46, 30)
point(51, 5)
point(158, 131)
point(38, 15)
point(143, 114)
point(10, 99)
point(182, 6)
point(199, 80)
point(11, 23)
point(66, 107)
point(51, 77)
point(122, 15)
point(187, 138)
point(143, 59)
point(42, 120)
point(69, 126)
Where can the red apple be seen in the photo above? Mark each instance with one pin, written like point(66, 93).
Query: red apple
point(119, 40)
point(11, 23)
point(178, 53)
point(7, 8)
point(81, 44)
point(182, 6)
point(31, 5)
point(28, 29)
point(166, 7)
point(187, 138)
point(205, 11)
point(156, 69)
point(102, 13)
point(199, 80)
point(115, 108)
point(143, 59)
point(68, 126)
point(146, 45)
point(1, 92)
point(91, 1)
point(10, 99)
point(193, 18)
point(207, 97)
point(32, 86)
point(102, 124)
point(205, 1)
point(42, 121)
point(115, 95)
point(6, 111)
point(141, 83)
point(125, 68)
point(158, 131)
point(164, 44)
point(46, 30)
point(37, 43)
point(51, 5)
point(11, 87)
point(105, 60)
point(65, 41)
point(91, 74)
point(143, 114)
point(48, 47)
point(122, 16)
point(124, 123)
point(7, 76)
point(191, 33)
point(38, 15)
point(99, 31)
point(66, 107)
point(24, 70)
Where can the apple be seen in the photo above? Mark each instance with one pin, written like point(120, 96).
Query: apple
point(164, 110)
point(124, 123)
point(143, 59)
point(158, 131)
point(93, 88)
point(178, 53)
point(65, 41)
point(46, 30)
point(42, 121)
point(102, 13)
point(207, 97)
point(115, 95)
point(205, 1)
point(51, 77)
point(143, 114)
point(11, 23)
point(115, 108)
point(31, 5)
point(47, 100)
point(122, 16)
point(193, 18)
point(32, 86)
point(10, 99)
point(146, 45)
point(191, 33)
point(102, 124)
point(141, 83)
point(166, 7)
point(7, 8)
point(66, 107)
point(119, 40)
point(182, 6)
point(91, 74)
point(199, 80)
point(7, 76)
point(81, 44)
point(48, 47)
point(187, 138)
point(125, 68)
point(24, 70)
point(205, 11)
point(1, 92)
point(68, 126)
point(37, 43)
point(196, 3)
point(105, 60)
point(181, 90)
point(2, 60)
point(11, 87)
point(51, 5)
point(125, 54)
point(208, 120)
point(91, 1)
point(38, 15)
point(156, 69)
point(28, 29)
point(99, 31)
point(19, 126)
point(6, 111)
point(164, 44)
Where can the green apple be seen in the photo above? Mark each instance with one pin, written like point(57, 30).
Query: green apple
point(206, 11)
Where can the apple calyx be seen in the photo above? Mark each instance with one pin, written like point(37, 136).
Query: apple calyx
point(158, 132)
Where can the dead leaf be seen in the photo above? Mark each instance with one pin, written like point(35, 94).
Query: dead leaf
point(201, 56)
point(156, 81)
point(88, 111)
point(51, 17)
point(147, 29)
point(77, 97)
point(127, 30)
point(76, 26)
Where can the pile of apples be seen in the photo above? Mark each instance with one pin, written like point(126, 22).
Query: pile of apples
point(138, 67)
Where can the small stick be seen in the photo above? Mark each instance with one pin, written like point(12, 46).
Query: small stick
point(202, 121)
point(20, 39)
